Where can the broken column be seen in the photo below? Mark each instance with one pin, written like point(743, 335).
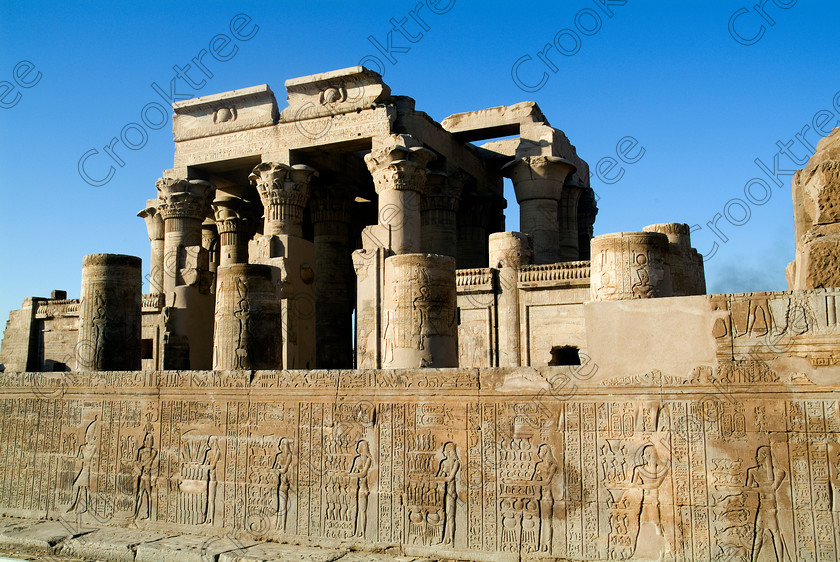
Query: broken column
point(331, 211)
point(538, 183)
point(109, 314)
point(684, 262)
point(284, 191)
point(155, 229)
point(247, 332)
point(630, 265)
point(420, 317)
point(398, 166)
point(508, 252)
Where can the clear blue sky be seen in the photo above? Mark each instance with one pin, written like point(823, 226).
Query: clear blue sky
point(701, 100)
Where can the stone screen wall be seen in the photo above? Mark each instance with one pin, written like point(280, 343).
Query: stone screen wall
point(458, 461)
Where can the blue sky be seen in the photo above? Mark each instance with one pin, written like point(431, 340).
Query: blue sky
point(702, 96)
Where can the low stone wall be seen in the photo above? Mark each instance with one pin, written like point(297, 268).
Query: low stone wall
point(462, 462)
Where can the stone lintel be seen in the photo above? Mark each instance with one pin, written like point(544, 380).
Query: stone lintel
point(238, 110)
point(335, 92)
point(493, 122)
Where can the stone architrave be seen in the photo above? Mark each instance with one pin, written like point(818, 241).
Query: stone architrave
point(816, 218)
point(538, 183)
point(331, 211)
point(439, 209)
point(420, 317)
point(155, 228)
point(233, 224)
point(398, 166)
point(508, 252)
point(109, 314)
point(247, 331)
point(630, 265)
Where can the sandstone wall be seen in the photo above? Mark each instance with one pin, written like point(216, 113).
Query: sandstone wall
point(579, 462)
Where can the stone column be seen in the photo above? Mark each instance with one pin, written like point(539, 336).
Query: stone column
point(630, 265)
point(398, 166)
point(331, 211)
point(568, 216)
point(438, 214)
point(472, 221)
point(587, 211)
point(234, 229)
point(684, 263)
point(154, 226)
point(247, 332)
point(508, 252)
point(283, 191)
point(420, 317)
point(538, 183)
point(109, 314)
point(184, 204)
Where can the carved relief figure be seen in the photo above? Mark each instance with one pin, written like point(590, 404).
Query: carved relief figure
point(81, 485)
point(242, 314)
point(145, 463)
point(214, 455)
point(359, 471)
point(544, 472)
point(649, 474)
point(445, 476)
point(643, 289)
point(767, 480)
point(282, 463)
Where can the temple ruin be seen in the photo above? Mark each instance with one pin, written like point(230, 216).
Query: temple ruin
point(342, 346)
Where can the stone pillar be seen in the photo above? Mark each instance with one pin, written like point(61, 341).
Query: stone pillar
point(438, 214)
point(331, 211)
point(473, 218)
point(155, 228)
point(538, 183)
point(398, 166)
point(508, 252)
point(587, 211)
point(247, 332)
point(284, 191)
point(234, 229)
point(109, 314)
point(568, 216)
point(630, 265)
point(184, 204)
point(420, 317)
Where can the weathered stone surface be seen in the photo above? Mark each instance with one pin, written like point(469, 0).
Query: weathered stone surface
point(816, 202)
point(532, 404)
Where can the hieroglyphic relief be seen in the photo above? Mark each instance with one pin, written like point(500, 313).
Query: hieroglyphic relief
point(587, 477)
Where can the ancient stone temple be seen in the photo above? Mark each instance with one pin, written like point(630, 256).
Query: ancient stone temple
point(342, 347)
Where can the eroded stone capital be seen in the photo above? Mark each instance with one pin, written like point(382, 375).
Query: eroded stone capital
point(443, 192)
point(231, 214)
point(154, 222)
point(331, 204)
point(399, 162)
point(181, 198)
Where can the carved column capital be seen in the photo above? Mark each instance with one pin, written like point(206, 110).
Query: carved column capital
point(154, 221)
point(283, 190)
point(231, 214)
point(181, 198)
point(331, 204)
point(538, 177)
point(399, 163)
point(443, 192)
